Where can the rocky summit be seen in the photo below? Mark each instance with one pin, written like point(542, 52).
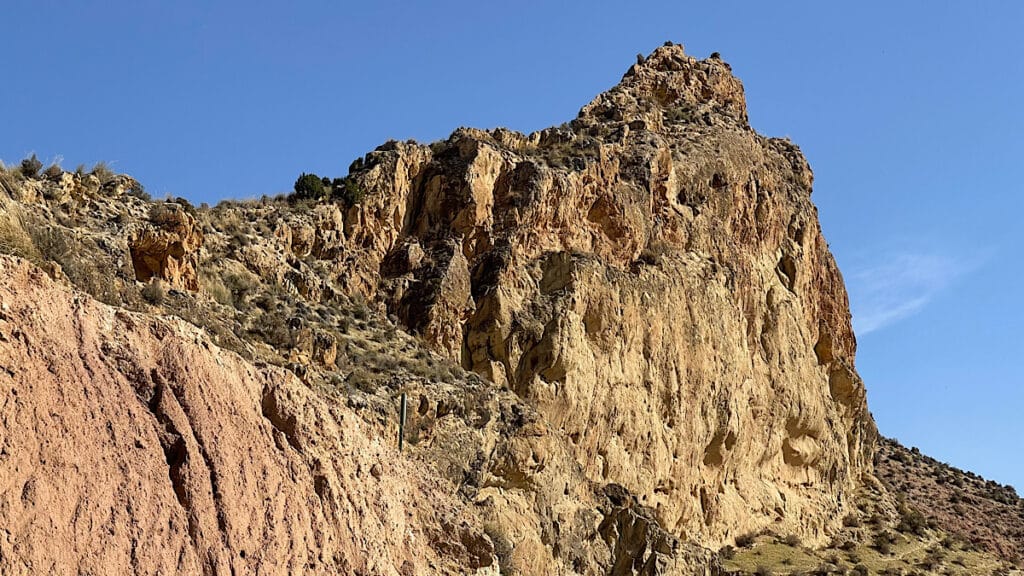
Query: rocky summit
point(623, 345)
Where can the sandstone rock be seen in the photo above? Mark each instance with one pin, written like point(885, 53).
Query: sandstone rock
point(168, 247)
point(118, 185)
point(131, 445)
point(438, 305)
point(67, 184)
point(325, 349)
point(652, 278)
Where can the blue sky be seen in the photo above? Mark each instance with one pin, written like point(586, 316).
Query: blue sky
point(909, 113)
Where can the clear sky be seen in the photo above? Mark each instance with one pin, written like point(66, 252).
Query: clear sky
point(909, 112)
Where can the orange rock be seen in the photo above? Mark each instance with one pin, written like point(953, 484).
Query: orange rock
point(168, 247)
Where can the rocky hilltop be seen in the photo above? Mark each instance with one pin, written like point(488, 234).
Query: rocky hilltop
point(623, 341)
point(652, 278)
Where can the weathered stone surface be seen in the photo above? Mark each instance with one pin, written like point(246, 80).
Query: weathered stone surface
point(167, 248)
point(652, 277)
point(131, 445)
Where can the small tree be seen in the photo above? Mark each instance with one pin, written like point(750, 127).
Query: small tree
point(309, 186)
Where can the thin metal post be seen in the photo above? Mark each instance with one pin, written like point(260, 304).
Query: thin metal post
point(401, 424)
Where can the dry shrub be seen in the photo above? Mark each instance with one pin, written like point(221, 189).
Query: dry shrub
point(14, 239)
point(214, 286)
point(103, 172)
point(86, 265)
point(154, 292)
point(53, 171)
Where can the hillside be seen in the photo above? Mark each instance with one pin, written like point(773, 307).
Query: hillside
point(623, 341)
point(981, 512)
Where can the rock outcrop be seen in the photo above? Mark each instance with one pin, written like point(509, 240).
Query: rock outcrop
point(132, 445)
point(167, 247)
point(652, 277)
point(639, 349)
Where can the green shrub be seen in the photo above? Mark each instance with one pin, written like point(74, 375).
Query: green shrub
point(309, 186)
point(745, 540)
point(31, 166)
point(348, 190)
point(912, 521)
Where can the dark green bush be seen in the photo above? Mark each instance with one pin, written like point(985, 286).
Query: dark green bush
point(309, 186)
point(745, 540)
point(912, 521)
point(31, 166)
point(348, 191)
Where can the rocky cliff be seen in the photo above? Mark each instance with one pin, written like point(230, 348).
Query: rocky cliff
point(130, 445)
point(623, 340)
point(653, 279)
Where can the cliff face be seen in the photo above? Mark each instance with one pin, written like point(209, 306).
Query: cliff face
point(131, 445)
point(652, 277)
point(630, 337)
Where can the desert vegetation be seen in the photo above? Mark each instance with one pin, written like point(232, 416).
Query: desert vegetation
point(921, 532)
point(345, 190)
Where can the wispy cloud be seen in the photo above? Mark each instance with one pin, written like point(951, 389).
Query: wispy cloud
point(899, 285)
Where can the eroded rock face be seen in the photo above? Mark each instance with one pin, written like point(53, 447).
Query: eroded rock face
point(167, 247)
point(132, 445)
point(189, 460)
point(652, 277)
